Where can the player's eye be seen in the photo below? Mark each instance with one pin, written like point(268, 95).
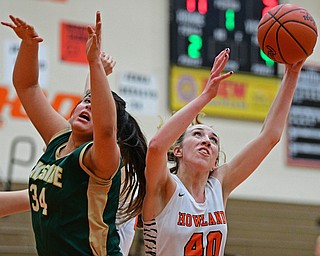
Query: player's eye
point(214, 140)
point(196, 133)
point(87, 100)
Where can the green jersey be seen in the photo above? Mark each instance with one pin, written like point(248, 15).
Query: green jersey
point(73, 211)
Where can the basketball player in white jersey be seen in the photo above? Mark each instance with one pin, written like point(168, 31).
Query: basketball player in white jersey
point(184, 211)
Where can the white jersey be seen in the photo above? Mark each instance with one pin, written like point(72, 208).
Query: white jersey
point(185, 227)
point(126, 232)
point(127, 229)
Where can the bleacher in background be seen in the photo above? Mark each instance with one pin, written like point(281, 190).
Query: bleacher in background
point(16, 235)
point(259, 228)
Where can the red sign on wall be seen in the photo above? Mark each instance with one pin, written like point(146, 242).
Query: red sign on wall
point(73, 43)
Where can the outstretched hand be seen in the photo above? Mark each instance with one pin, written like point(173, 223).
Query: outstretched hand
point(94, 40)
point(215, 78)
point(23, 30)
point(296, 67)
point(108, 63)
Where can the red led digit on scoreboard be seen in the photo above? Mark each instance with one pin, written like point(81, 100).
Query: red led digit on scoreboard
point(268, 5)
point(191, 6)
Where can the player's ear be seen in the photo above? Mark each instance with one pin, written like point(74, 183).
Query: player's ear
point(177, 151)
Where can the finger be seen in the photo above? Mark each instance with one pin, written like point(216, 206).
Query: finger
point(90, 30)
point(94, 40)
point(223, 62)
point(224, 76)
point(297, 66)
point(13, 19)
point(98, 31)
point(10, 25)
point(98, 17)
point(102, 57)
point(219, 64)
point(301, 62)
point(222, 54)
point(20, 22)
point(113, 63)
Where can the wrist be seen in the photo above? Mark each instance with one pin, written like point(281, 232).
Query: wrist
point(95, 63)
point(29, 43)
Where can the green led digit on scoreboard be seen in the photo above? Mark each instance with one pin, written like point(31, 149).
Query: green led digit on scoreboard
point(230, 20)
point(195, 46)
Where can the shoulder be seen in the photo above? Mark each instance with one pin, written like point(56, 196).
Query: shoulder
point(61, 135)
point(218, 173)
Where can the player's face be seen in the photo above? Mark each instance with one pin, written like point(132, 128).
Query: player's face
point(201, 145)
point(81, 118)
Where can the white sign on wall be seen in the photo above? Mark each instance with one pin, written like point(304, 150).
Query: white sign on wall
point(140, 92)
point(11, 49)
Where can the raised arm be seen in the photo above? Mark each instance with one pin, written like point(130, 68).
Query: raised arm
point(103, 109)
point(25, 79)
point(247, 160)
point(159, 182)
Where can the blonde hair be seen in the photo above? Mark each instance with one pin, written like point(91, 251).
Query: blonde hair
point(172, 159)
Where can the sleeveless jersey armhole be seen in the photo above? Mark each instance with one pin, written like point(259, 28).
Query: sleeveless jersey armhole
point(89, 172)
point(167, 206)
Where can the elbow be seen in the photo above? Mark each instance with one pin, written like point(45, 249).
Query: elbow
point(274, 141)
point(155, 146)
point(273, 137)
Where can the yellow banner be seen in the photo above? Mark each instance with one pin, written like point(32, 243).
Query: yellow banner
point(241, 96)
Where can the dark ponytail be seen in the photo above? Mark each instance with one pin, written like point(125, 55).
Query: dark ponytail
point(133, 147)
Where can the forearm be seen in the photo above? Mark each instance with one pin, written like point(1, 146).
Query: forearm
point(108, 64)
point(26, 69)
point(178, 123)
point(278, 113)
point(14, 202)
point(102, 100)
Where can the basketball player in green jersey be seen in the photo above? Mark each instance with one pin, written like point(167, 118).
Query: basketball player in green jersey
point(12, 202)
point(74, 187)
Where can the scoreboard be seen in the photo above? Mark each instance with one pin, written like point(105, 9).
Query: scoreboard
point(200, 29)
